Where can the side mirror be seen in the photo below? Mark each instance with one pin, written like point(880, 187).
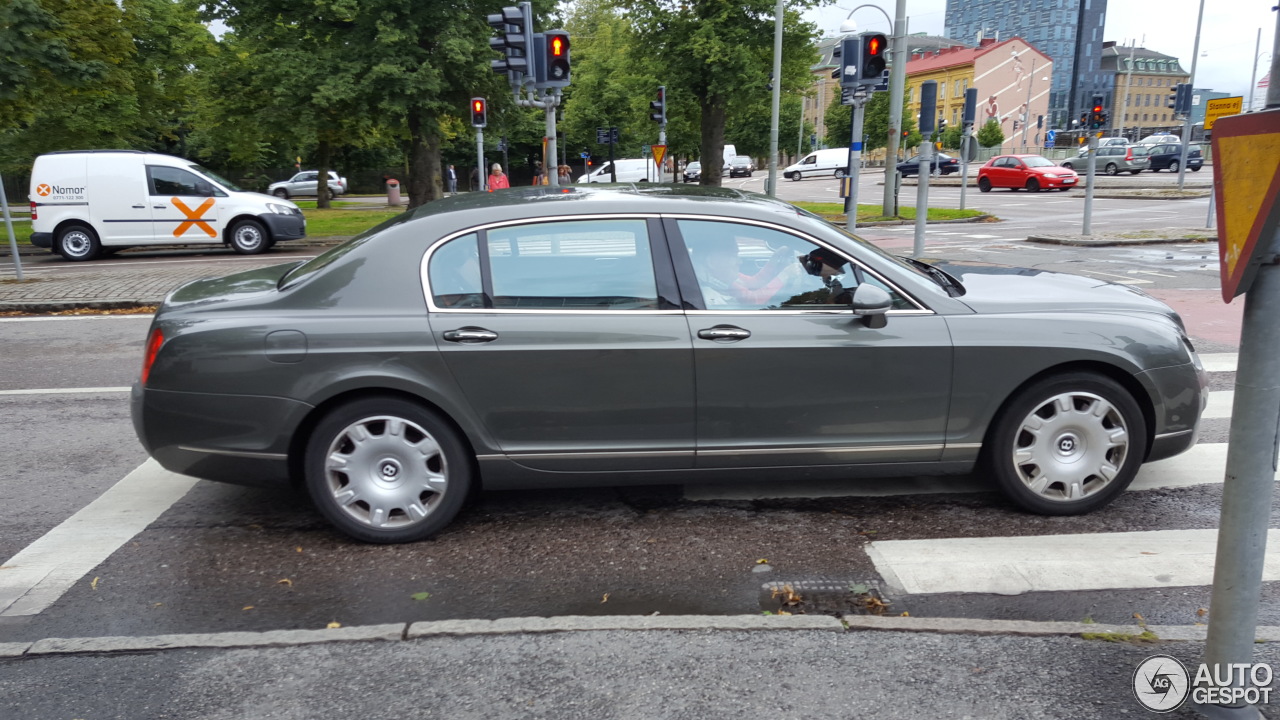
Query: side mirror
point(204, 188)
point(871, 303)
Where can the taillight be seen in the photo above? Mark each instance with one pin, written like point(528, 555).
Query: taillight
point(33, 210)
point(153, 348)
point(1128, 154)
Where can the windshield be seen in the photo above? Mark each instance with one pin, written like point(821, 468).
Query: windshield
point(215, 177)
point(1037, 161)
point(695, 166)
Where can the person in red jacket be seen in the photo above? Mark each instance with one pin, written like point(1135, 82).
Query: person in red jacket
point(497, 181)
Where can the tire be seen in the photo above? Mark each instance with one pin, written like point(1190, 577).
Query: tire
point(1173, 166)
point(984, 184)
point(248, 237)
point(1086, 453)
point(1193, 168)
point(78, 243)
point(1033, 185)
point(1112, 169)
point(331, 194)
point(1134, 172)
point(1068, 166)
point(795, 176)
point(281, 193)
point(404, 448)
point(840, 173)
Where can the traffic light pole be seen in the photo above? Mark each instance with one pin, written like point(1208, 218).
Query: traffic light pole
point(1186, 123)
point(965, 139)
point(928, 111)
point(1088, 186)
point(855, 161)
point(553, 178)
point(897, 86)
point(480, 157)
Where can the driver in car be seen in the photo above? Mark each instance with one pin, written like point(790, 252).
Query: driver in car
point(724, 285)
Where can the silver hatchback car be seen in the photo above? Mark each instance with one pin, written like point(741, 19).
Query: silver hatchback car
point(1112, 159)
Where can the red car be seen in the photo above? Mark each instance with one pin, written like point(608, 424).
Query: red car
point(1032, 172)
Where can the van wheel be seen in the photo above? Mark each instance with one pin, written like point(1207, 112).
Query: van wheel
point(281, 193)
point(248, 237)
point(840, 174)
point(78, 242)
point(795, 176)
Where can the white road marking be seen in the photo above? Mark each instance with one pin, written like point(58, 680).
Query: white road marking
point(1056, 563)
point(1219, 406)
point(46, 569)
point(46, 318)
point(1219, 362)
point(982, 237)
point(65, 391)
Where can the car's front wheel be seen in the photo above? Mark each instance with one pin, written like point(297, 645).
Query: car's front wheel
point(1033, 185)
point(1068, 444)
point(78, 242)
point(386, 470)
point(281, 193)
point(249, 237)
point(984, 184)
point(1193, 168)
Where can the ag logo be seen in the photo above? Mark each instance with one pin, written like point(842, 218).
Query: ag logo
point(1161, 683)
point(43, 190)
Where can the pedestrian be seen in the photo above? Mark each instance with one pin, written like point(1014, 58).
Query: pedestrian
point(539, 175)
point(497, 181)
point(452, 178)
point(475, 179)
point(565, 175)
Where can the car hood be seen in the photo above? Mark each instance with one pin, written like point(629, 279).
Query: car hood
point(227, 289)
point(992, 288)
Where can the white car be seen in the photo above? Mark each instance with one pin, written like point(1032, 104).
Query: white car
point(307, 183)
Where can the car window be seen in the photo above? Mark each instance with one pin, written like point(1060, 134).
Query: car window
point(1037, 161)
point(173, 181)
point(584, 264)
point(454, 273)
point(811, 160)
point(747, 267)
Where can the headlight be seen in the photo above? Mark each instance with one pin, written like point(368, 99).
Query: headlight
point(281, 209)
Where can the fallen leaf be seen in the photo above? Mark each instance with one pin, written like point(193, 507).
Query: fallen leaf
point(1139, 616)
point(157, 604)
point(7, 567)
point(334, 624)
point(783, 612)
point(762, 561)
point(651, 540)
point(94, 584)
point(1202, 612)
point(788, 594)
point(420, 596)
point(285, 581)
point(604, 599)
point(299, 548)
point(858, 589)
point(247, 607)
point(1144, 552)
point(905, 614)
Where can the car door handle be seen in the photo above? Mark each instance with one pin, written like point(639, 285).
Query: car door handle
point(160, 207)
point(470, 335)
point(139, 207)
point(724, 333)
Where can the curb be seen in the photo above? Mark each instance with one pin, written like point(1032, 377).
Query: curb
point(581, 623)
point(1106, 241)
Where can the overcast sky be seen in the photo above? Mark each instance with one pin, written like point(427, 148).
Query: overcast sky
point(1226, 39)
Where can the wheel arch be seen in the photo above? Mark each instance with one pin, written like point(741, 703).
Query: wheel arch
point(64, 224)
point(226, 229)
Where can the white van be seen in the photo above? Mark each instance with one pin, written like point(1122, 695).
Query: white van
point(629, 170)
point(87, 201)
point(833, 161)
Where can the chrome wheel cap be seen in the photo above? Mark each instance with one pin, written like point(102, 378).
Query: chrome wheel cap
point(1071, 446)
point(77, 243)
point(386, 472)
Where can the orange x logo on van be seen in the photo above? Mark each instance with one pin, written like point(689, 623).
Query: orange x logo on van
point(43, 190)
point(193, 217)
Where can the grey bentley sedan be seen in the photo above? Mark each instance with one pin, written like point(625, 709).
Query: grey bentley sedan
point(541, 337)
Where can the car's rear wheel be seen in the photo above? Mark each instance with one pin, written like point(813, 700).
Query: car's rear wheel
point(1068, 444)
point(839, 173)
point(1134, 172)
point(1033, 185)
point(249, 237)
point(1193, 168)
point(387, 470)
point(1112, 169)
point(281, 193)
point(1068, 166)
point(984, 184)
point(78, 242)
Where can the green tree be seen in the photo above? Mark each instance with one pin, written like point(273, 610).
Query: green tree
point(875, 123)
point(990, 135)
point(951, 137)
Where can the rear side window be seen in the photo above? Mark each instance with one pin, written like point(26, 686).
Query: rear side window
point(455, 274)
point(585, 264)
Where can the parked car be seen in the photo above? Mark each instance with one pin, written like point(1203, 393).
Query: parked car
point(1112, 159)
point(564, 336)
point(307, 182)
point(1169, 155)
point(693, 171)
point(938, 162)
point(87, 203)
point(741, 165)
point(628, 170)
point(820, 163)
point(1033, 172)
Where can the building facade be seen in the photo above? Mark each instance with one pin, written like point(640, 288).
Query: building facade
point(1068, 31)
point(1013, 80)
point(1144, 81)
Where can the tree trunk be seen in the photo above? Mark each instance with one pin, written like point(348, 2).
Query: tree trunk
point(713, 115)
point(435, 188)
point(419, 167)
point(324, 155)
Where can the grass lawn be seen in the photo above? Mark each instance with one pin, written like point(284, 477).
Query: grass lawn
point(342, 223)
point(871, 213)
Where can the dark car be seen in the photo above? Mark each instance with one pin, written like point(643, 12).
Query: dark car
point(1111, 159)
point(1169, 155)
point(938, 162)
point(540, 337)
point(1033, 172)
point(693, 171)
point(741, 165)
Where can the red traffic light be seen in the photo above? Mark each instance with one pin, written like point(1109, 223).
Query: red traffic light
point(873, 46)
point(477, 106)
point(478, 115)
point(1097, 108)
point(559, 45)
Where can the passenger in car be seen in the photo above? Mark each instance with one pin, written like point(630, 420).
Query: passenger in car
point(723, 283)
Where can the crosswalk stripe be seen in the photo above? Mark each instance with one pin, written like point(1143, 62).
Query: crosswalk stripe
point(1219, 406)
point(1204, 464)
point(1219, 362)
point(1047, 563)
point(64, 391)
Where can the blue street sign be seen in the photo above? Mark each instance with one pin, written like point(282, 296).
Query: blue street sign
point(584, 156)
point(1049, 138)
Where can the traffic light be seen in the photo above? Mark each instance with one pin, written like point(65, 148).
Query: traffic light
point(942, 125)
point(658, 108)
point(556, 60)
point(479, 113)
point(1098, 114)
point(850, 55)
point(970, 108)
point(1180, 98)
point(872, 63)
point(515, 27)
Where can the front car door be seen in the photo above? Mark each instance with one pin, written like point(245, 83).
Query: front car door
point(568, 341)
point(184, 206)
point(786, 374)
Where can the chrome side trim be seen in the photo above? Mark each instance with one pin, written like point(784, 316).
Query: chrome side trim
point(964, 446)
point(825, 450)
point(1166, 436)
point(845, 450)
point(595, 454)
point(236, 453)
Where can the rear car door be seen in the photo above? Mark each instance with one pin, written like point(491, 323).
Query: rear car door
point(567, 338)
point(786, 374)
